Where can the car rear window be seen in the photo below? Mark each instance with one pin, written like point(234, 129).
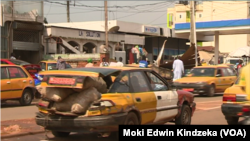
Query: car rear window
point(52, 66)
point(19, 62)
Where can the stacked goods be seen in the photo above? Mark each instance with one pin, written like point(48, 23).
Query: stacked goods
point(78, 103)
point(54, 94)
point(75, 100)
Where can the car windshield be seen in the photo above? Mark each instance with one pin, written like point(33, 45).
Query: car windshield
point(234, 61)
point(52, 66)
point(19, 62)
point(209, 72)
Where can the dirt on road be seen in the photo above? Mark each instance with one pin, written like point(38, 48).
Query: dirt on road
point(11, 127)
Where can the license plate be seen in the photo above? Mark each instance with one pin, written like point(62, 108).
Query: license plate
point(187, 89)
point(64, 81)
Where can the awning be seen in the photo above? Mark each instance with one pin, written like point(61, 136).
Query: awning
point(205, 56)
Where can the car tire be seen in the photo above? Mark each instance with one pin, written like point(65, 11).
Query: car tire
point(60, 134)
point(232, 120)
point(26, 98)
point(185, 117)
point(211, 91)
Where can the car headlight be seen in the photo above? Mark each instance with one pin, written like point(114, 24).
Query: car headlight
point(201, 83)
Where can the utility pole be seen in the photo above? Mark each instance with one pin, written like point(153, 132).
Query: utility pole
point(106, 24)
point(68, 12)
point(193, 30)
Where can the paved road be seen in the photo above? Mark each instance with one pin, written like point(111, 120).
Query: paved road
point(208, 112)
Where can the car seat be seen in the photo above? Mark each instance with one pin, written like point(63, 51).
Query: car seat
point(135, 84)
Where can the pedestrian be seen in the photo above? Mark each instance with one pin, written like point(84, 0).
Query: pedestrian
point(119, 63)
point(12, 56)
point(104, 63)
point(61, 64)
point(143, 63)
point(245, 80)
point(239, 66)
point(178, 68)
point(90, 63)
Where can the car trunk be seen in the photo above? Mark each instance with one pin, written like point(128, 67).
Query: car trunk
point(32, 69)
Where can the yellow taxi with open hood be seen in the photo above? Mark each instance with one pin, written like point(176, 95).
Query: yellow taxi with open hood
point(207, 80)
point(136, 96)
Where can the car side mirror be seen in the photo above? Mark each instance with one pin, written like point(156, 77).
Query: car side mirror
point(218, 75)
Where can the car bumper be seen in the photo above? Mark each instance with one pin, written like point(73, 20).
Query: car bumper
point(197, 88)
point(81, 124)
point(231, 110)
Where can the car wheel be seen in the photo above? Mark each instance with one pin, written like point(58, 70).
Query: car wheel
point(211, 91)
point(60, 134)
point(232, 120)
point(26, 98)
point(185, 116)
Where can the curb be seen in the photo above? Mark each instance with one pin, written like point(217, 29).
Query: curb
point(21, 134)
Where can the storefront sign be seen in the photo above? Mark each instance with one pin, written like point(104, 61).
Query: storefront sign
point(151, 30)
point(93, 34)
point(80, 33)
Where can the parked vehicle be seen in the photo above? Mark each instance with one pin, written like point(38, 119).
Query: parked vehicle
point(16, 84)
point(233, 100)
point(207, 80)
point(50, 65)
point(31, 68)
point(137, 96)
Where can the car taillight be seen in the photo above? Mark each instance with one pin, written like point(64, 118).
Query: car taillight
point(246, 109)
point(45, 78)
point(229, 98)
point(107, 103)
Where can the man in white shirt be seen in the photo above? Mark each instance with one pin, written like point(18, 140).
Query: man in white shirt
point(119, 63)
point(178, 68)
point(12, 56)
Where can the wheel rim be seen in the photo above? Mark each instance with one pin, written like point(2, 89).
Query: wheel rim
point(185, 118)
point(27, 97)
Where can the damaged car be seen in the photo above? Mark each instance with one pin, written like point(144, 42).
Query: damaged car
point(78, 100)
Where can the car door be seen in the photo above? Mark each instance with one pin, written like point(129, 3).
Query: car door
point(18, 80)
point(5, 84)
point(144, 99)
point(233, 77)
point(167, 99)
point(226, 78)
point(219, 80)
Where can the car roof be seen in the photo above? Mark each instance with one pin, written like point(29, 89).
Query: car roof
point(212, 66)
point(50, 61)
point(7, 65)
point(103, 71)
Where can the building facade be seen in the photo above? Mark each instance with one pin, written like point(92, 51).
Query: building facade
point(214, 11)
point(21, 29)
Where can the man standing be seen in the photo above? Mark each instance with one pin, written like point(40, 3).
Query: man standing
point(119, 64)
point(143, 63)
point(90, 63)
point(178, 68)
point(12, 56)
point(61, 64)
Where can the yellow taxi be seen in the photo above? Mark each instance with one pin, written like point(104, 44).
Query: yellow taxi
point(50, 65)
point(137, 96)
point(234, 98)
point(16, 84)
point(207, 80)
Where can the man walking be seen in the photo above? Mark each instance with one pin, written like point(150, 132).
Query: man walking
point(178, 68)
point(61, 64)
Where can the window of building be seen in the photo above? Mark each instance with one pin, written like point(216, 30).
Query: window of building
point(26, 36)
point(200, 15)
point(249, 11)
point(180, 16)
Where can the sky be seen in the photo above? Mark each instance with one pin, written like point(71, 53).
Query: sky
point(144, 12)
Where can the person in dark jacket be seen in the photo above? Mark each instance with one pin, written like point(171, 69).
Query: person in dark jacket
point(61, 64)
